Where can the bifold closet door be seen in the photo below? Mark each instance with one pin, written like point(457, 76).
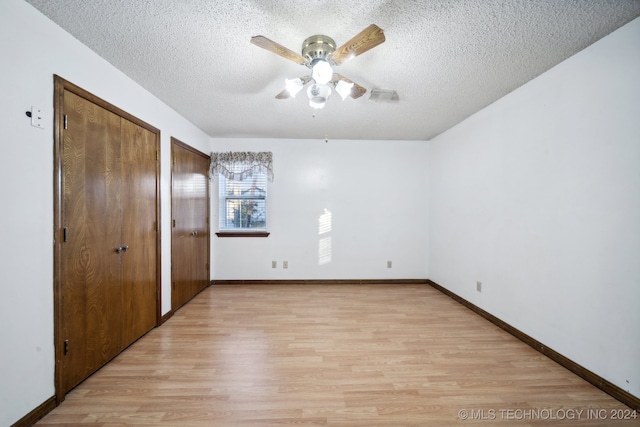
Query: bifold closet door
point(108, 271)
point(190, 223)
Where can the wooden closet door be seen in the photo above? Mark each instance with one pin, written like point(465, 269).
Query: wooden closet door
point(190, 219)
point(201, 224)
point(139, 235)
point(91, 267)
point(106, 252)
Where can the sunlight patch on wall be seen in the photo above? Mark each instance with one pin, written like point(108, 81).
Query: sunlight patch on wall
point(324, 222)
point(324, 243)
point(324, 251)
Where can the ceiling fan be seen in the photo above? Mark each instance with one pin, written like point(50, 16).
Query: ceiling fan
point(319, 53)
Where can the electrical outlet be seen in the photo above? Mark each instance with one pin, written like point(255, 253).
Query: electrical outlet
point(274, 264)
point(479, 286)
point(389, 264)
point(285, 264)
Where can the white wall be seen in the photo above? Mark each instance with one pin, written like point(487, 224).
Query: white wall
point(32, 49)
point(538, 197)
point(376, 192)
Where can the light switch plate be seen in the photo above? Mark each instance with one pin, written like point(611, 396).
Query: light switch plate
point(37, 117)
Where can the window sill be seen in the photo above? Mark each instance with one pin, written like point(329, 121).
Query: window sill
point(243, 234)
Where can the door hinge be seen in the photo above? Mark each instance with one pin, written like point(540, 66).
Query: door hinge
point(156, 155)
point(155, 226)
point(64, 234)
point(66, 347)
point(207, 266)
point(174, 223)
point(65, 121)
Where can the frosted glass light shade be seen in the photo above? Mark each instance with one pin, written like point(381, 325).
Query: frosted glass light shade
point(293, 86)
point(344, 89)
point(322, 73)
point(318, 95)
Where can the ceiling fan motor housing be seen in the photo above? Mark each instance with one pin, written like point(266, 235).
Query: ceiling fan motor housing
point(317, 47)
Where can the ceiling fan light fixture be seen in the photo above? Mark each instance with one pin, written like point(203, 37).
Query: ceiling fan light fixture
point(344, 89)
point(293, 86)
point(318, 95)
point(319, 53)
point(322, 73)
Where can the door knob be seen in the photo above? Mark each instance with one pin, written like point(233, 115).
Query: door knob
point(194, 233)
point(125, 248)
point(119, 249)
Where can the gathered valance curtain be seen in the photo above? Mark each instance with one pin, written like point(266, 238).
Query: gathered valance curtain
point(238, 165)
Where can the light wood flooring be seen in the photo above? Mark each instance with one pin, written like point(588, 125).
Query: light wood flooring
point(334, 355)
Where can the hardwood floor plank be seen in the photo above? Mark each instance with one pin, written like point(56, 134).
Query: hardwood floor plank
point(332, 355)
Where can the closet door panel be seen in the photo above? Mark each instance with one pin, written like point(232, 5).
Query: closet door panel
point(139, 235)
point(91, 211)
point(181, 237)
point(201, 223)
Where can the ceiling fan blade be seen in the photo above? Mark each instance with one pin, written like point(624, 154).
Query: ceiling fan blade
point(356, 91)
point(278, 49)
point(285, 94)
point(367, 39)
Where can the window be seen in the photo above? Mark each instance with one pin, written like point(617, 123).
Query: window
point(243, 204)
point(242, 192)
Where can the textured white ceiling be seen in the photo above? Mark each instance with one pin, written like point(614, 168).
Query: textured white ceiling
point(446, 59)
